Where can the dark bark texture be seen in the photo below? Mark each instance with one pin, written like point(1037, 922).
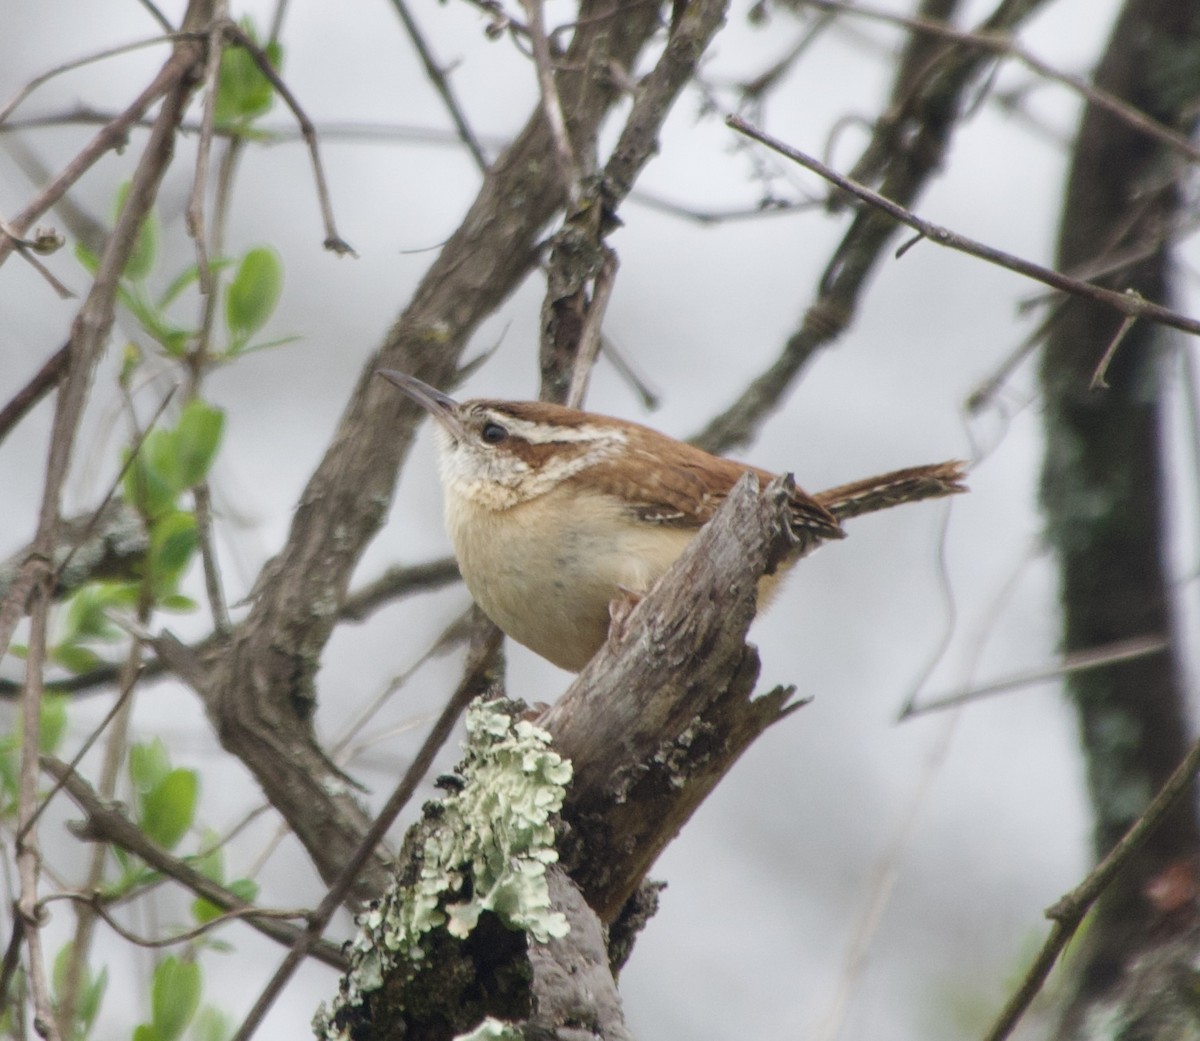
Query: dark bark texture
point(1103, 484)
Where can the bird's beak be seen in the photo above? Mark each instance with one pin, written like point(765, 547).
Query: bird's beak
point(441, 406)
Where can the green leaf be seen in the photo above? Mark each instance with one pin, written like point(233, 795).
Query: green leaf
point(90, 993)
point(211, 864)
point(149, 763)
point(75, 658)
point(205, 910)
point(88, 612)
point(174, 997)
point(253, 293)
point(172, 543)
point(187, 277)
point(197, 438)
point(58, 974)
point(211, 1025)
point(53, 723)
point(87, 258)
point(90, 1000)
point(243, 92)
point(245, 889)
point(145, 1032)
point(141, 258)
point(265, 345)
point(176, 602)
point(170, 806)
point(147, 487)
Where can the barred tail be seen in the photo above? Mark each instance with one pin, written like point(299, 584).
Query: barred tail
point(891, 489)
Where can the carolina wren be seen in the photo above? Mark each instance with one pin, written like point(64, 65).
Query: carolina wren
point(555, 513)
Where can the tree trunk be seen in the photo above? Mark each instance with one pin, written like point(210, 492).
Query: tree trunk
point(1104, 494)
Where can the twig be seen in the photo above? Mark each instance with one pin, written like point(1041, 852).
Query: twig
point(1004, 45)
point(441, 84)
point(43, 381)
point(12, 957)
point(1078, 661)
point(552, 105)
point(1127, 304)
point(28, 853)
point(195, 208)
point(589, 338)
point(333, 241)
point(358, 606)
point(105, 823)
point(111, 136)
point(1099, 380)
point(77, 63)
point(455, 633)
point(94, 321)
point(213, 586)
point(95, 904)
point(29, 249)
point(1070, 910)
point(110, 769)
point(396, 582)
point(157, 15)
point(91, 739)
point(114, 484)
point(476, 678)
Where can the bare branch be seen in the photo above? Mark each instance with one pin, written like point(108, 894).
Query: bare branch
point(568, 167)
point(1077, 661)
point(441, 83)
point(42, 382)
point(105, 823)
point(1070, 910)
point(1004, 45)
point(1128, 304)
point(333, 241)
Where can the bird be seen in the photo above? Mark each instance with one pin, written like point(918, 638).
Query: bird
point(557, 515)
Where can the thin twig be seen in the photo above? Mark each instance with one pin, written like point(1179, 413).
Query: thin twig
point(28, 853)
point(357, 607)
point(552, 105)
point(42, 382)
point(1078, 661)
point(42, 243)
point(396, 582)
point(1124, 303)
point(114, 484)
point(476, 679)
point(195, 209)
point(1069, 911)
point(105, 823)
point(157, 15)
point(1099, 379)
point(115, 748)
point(1004, 45)
point(95, 904)
point(333, 241)
point(12, 957)
point(77, 63)
point(441, 84)
point(589, 337)
point(112, 135)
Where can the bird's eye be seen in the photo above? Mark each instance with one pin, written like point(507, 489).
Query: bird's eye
point(493, 433)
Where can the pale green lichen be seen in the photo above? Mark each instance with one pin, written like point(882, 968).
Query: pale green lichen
point(492, 1030)
point(496, 832)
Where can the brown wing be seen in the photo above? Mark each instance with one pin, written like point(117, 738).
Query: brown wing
point(669, 482)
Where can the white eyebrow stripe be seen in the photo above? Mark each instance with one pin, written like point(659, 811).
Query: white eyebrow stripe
point(545, 433)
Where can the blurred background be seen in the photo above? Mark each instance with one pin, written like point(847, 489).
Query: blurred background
point(854, 876)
